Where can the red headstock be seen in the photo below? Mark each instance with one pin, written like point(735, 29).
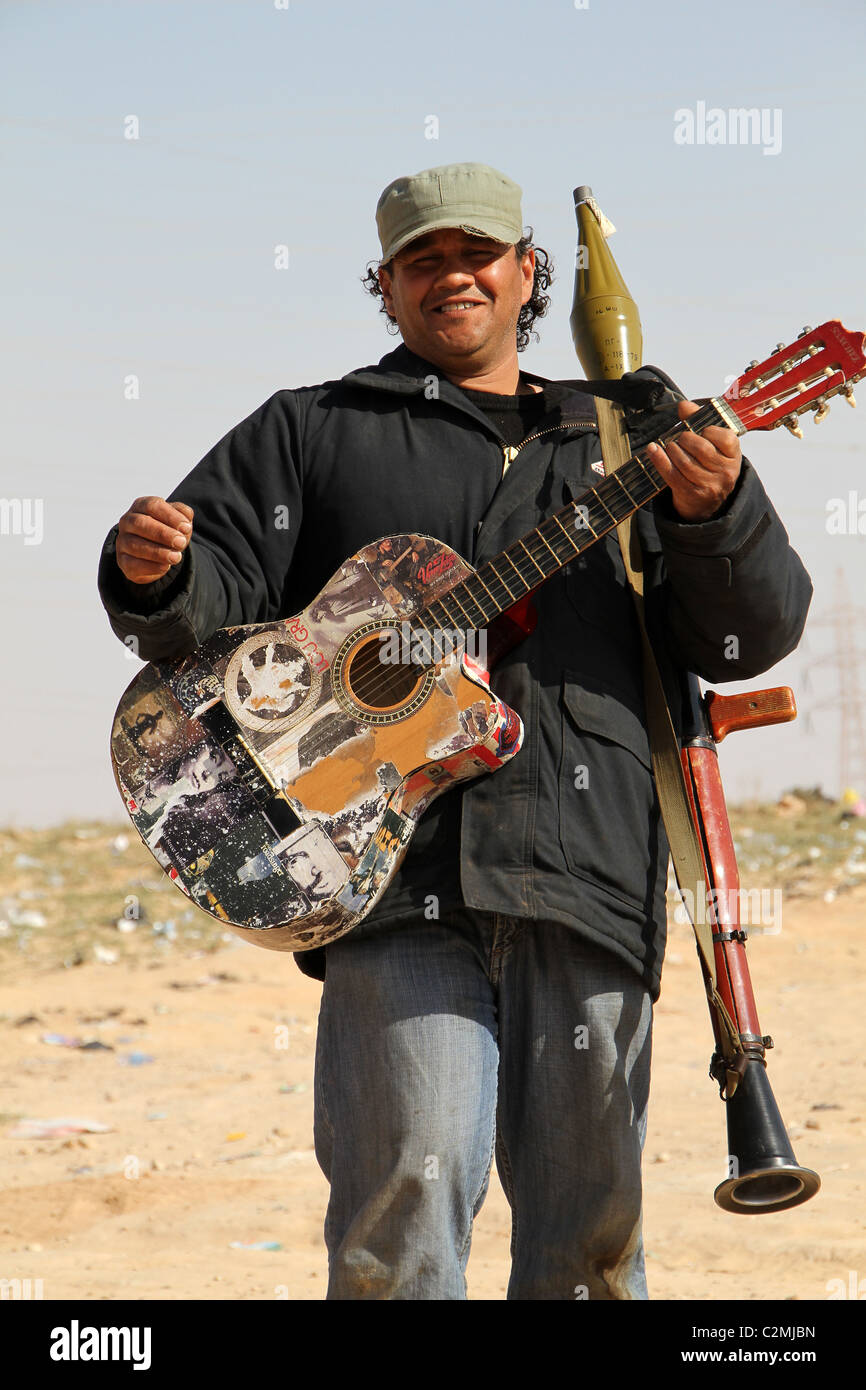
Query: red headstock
point(802, 376)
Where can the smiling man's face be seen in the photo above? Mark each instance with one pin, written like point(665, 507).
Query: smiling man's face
point(457, 299)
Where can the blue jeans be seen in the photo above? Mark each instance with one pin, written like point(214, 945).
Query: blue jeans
point(440, 1041)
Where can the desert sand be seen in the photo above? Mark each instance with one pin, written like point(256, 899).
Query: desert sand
point(210, 1141)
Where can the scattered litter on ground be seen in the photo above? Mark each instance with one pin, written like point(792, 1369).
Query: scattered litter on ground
point(853, 803)
point(255, 1245)
point(28, 918)
point(59, 1040)
point(55, 1128)
point(135, 1059)
point(62, 1040)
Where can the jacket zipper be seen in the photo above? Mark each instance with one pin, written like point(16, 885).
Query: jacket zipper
point(510, 451)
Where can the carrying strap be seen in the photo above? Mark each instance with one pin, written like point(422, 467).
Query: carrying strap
point(664, 745)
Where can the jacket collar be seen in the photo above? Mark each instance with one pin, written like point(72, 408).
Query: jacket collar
point(404, 373)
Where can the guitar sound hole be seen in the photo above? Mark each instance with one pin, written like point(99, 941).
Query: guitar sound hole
point(379, 684)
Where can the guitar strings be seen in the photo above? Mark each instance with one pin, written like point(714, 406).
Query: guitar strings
point(636, 483)
point(551, 533)
point(554, 543)
point(547, 550)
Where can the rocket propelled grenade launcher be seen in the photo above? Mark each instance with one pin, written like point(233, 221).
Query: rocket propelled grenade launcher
point(604, 320)
point(763, 1173)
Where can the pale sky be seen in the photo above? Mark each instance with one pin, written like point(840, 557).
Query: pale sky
point(263, 124)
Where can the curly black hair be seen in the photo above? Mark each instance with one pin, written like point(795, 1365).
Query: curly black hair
point(534, 308)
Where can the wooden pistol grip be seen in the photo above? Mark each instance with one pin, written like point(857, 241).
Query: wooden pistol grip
point(709, 812)
point(752, 710)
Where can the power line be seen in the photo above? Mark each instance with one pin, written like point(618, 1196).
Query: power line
point(846, 622)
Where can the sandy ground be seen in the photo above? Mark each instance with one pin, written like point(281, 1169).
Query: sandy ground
point(211, 1141)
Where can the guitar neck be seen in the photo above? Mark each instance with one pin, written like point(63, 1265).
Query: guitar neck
point(528, 562)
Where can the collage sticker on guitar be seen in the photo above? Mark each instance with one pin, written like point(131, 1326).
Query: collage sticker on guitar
point(273, 793)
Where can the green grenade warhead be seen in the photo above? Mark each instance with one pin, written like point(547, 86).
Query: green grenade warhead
point(604, 320)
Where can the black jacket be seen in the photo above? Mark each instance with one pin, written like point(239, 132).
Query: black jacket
point(569, 830)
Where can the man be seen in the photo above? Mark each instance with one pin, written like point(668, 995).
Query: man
point(192, 786)
point(500, 996)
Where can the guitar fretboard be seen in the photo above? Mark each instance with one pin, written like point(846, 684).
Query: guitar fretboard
point(528, 562)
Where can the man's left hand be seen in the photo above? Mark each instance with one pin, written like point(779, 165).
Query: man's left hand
point(700, 469)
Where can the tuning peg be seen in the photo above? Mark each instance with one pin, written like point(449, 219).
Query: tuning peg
point(848, 393)
point(758, 381)
point(793, 424)
point(822, 409)
point(779, 347)
point(806, 330)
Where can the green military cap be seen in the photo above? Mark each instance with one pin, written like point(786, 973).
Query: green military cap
point(474, 197)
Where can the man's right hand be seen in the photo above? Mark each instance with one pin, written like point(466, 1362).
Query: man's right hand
point(152, 537)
